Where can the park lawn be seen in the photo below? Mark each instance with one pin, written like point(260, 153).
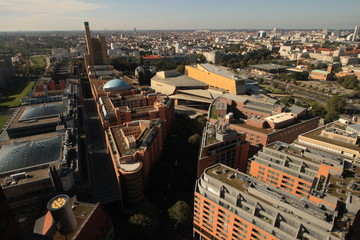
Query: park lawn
point(38, 61)
point(3, 120)
point(14, 97)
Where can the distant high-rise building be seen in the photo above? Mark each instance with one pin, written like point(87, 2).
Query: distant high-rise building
point(7, 71)
point(178, 47)
point(96, 49)
point(356, 32)
point(325, 31)
point(336, 33)
point(262, 34)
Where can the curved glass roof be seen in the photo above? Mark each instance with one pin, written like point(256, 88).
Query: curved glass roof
point(42, 111)
point(30, 153)
point(115, 85)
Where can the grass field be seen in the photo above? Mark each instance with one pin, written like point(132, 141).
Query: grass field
point(3, 120)
point(13, 96)
point(38, 61)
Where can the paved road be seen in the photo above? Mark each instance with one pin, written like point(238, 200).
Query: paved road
point(102, 175)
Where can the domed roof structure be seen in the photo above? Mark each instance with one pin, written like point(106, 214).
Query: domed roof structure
point(116, 85)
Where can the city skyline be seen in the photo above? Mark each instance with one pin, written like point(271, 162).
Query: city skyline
point(51, 15)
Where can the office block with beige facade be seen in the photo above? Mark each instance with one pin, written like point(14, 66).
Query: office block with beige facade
point(134, 148)
point(217, 77)
point(337, 137)
point(233, 205)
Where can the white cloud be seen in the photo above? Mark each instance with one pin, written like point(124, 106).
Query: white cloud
point(47, 6)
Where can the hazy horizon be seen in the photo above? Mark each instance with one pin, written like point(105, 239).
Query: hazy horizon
point(112, 15)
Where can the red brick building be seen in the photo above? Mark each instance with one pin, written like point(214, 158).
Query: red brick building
point(263, 121)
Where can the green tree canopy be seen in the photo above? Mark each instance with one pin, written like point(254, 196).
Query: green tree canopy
point(349, 82)
point(194, 139)
point(180, 214)
point(336, 105)
point(288, 100)
point(180, 69)
point(142, 226)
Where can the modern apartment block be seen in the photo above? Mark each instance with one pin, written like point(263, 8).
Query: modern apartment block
point(233, 205)
point(222, 145)
point(134, 148)
point(323, 178)
point(217, 77)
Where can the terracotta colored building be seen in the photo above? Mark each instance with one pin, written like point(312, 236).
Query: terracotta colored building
point(263, 121)
point(232, 205)
point(118, 101)
point(134, 148)
point(222, 145)
point(48, 86)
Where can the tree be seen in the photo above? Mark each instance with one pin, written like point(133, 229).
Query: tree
point(348, 82)
point(180, 214)
point(194, 139)
point(275, 85)
point(180, 69)
point(316, 110)
point(142, 226)
point(336, 105)
point(200, 58)
point(288, 100)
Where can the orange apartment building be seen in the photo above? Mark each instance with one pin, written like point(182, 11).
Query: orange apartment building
point(303, 172)
point(134, 148)
point(222, 145)
point(232, 205)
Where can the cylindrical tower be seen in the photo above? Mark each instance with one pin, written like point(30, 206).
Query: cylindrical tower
point(62, 213)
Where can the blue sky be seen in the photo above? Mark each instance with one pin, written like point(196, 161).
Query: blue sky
point(22, 15)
